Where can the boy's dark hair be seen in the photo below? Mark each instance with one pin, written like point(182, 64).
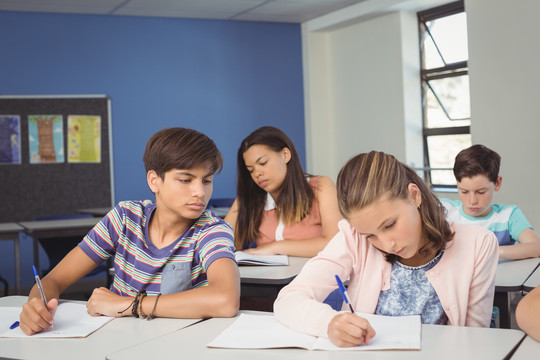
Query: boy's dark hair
point(477, 160)
point(180, 148)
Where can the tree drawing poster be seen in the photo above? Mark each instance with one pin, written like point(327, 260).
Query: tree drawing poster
point(10, 139)
point(84, 139)
point(46, 139)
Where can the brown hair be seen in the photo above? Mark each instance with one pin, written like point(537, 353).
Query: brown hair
point(368, 177)
point(477, 160)
point(180, 148)
point(295, 197)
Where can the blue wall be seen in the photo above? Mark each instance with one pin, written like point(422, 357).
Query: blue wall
point(223, 78)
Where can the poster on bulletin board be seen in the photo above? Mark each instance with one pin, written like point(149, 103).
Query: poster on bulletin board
point(10, 139)
point(55, 155)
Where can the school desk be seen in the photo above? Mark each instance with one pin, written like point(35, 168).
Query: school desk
point(98, 212)
point(10, 231)
point(44, 229)
point(438, 342)
point(266, 281)
point(118, 334)
point(220, 211)
point(533, 280)
point(510, 277)
point(529, 349)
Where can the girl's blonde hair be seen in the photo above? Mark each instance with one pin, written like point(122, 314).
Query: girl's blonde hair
point(370, 176)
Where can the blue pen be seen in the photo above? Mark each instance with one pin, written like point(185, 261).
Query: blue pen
point(40, 288)
point(344, 293)
point(14, 325)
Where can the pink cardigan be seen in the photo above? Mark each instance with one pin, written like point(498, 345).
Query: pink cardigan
point(464, 279)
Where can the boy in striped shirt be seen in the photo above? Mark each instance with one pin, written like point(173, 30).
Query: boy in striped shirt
point(170, 249)
point(477, 173)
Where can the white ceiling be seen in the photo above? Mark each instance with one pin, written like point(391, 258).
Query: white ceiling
point(295, 11)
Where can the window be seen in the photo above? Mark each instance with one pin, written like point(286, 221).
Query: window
point(445, 90)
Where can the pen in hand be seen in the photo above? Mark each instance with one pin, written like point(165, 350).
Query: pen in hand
point(344, 293)
point(40, 288)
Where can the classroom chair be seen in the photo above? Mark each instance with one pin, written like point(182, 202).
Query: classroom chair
point(335, 300)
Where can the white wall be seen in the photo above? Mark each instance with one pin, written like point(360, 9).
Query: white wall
point(504, 58)
point(356, 80)
point(362, 88)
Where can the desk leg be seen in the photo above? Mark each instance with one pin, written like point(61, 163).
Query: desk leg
point(17, 265)
point(501, 301)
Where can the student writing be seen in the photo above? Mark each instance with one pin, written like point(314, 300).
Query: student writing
point(279, 208)
point(170, 247)
point(400, 255)
point(477, 173)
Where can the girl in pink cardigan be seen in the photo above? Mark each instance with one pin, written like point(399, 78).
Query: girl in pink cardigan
point(400, 255)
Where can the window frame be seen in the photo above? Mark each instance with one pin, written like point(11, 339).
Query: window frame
point(448, 70)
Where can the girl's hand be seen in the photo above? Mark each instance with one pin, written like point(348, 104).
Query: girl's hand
point(35, 317)
point(347, 329)
point(104, 302)
point(266, 249)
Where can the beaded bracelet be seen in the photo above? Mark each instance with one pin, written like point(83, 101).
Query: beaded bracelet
point(151, 316)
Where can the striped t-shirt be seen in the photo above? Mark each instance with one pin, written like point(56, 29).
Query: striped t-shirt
point(138, 264)
point(506, 221)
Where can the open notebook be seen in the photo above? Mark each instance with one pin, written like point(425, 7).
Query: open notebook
point(265, 332)
point(244, 258)
point(71, 320)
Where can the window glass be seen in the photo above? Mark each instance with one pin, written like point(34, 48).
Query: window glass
point(448, 102)
point(445, 90)
point(449, 33)
point(449, 146)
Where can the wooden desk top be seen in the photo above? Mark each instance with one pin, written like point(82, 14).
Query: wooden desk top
point(529, 349)
point(438, 342)
point(272, 275)
point(119, 334)
point(533, 280)
point(511, 275)
point(43, 225)
point(10, 231)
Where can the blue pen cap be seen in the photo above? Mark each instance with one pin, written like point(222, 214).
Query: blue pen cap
point(35, 271)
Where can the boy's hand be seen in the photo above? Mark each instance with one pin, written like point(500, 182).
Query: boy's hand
point(35, 317)
point(105, 302)
point(347, 329)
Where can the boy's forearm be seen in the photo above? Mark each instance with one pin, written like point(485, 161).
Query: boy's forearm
point(519, 251)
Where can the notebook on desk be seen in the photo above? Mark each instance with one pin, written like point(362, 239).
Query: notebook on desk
point(265, 332)
point(243, 258)
point(71, 320)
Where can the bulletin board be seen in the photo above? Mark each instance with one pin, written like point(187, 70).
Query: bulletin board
point(42, 177)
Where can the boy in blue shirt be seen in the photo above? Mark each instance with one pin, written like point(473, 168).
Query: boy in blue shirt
point(477, 173)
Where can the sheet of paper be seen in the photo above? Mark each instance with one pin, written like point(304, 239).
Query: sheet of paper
point(244, 258)
point(392, 332)
point(70, 320)
point(265, 332)
point(8, 315)
point(260, 332)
